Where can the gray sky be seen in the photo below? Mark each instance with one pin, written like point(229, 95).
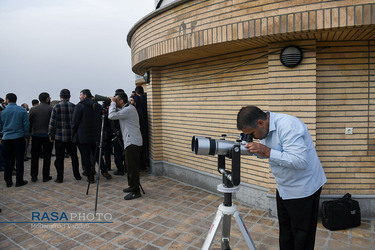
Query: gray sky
point(48, 45)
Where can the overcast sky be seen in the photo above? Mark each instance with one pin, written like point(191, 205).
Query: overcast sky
point(48, 45)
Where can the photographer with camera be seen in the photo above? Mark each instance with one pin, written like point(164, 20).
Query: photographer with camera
point(287, 143)
point(129, 123)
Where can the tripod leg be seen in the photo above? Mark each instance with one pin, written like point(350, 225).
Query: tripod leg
point(225, 236)
point(213, 230)
point(245, 233)
point(142, 188)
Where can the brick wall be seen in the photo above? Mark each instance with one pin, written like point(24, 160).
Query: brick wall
point(209, 58)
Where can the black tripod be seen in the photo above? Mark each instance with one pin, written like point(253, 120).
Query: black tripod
point(231, 180)
point(92, 172)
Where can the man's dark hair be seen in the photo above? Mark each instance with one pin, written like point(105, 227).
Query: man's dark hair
point(248, 117)
point(65, 93)
point(1, 100)
point(34, 102)
point(123, 96)
point(11, 97)
point(43, 97)
point(119, 91)
point(87, 93)
point(139, 90)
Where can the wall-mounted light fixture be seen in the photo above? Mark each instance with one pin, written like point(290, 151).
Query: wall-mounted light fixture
point(291, 56)
point(146, 77)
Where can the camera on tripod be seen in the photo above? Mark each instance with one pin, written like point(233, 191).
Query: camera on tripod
point(206, 146)
point(231, 180)
point(100, 98)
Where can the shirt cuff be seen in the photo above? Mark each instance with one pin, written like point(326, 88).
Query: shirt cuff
point(275, 156)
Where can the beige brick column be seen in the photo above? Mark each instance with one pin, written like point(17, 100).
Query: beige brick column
point(154, 117)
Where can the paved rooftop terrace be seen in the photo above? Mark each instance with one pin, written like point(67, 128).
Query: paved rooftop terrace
point(171, 215)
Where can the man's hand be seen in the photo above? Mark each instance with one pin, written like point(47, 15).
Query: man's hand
point(51, 139)
point(113, 98)
point(258, 149)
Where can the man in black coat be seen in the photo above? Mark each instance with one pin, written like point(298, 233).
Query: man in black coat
point(86, 131)
point(140, 99)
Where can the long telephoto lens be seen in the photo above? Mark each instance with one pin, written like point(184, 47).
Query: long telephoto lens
point(208, 146)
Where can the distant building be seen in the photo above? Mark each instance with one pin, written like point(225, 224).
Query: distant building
point(207, 59)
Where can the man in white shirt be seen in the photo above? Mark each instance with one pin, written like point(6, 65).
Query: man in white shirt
point(287, 143)
point(129, 123)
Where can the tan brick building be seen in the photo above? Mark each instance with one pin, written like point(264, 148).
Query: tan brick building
point(207, 59)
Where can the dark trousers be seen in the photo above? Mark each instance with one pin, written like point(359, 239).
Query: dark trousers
point(297, 221)
point(87, 151)
point(132, 153)
point(107, 148)
point(119, 157)
point(14, 148)
point(36, 144)
point(2, 158)
point(144, 153)
point(60, 148)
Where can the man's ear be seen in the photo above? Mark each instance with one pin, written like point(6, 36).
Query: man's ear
point(261, 123)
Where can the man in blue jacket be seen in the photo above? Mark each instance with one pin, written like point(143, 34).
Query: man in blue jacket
point(14, 125)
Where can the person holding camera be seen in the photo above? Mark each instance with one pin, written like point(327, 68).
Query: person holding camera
point(129, 123)
point(287, 143)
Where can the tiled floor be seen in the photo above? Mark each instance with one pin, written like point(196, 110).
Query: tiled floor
point(171, 215)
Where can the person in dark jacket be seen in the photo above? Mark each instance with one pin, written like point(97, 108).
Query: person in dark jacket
point(86, 131)
point(140, 100)
point(39, 120)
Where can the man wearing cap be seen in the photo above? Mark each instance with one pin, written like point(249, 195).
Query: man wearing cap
point(60, 131)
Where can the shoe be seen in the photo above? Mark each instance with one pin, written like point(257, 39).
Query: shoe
point(132, 196)
point(19, 184)
point(34, 179)
point(118, 173)
point(107, 175)
point(84, 173)
point(9, 184)
point(78, 178)
point(47, 179)
point(127, 190)
point(58, 181)
point(91, 181)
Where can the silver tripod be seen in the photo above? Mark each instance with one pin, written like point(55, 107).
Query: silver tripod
point(228, 209)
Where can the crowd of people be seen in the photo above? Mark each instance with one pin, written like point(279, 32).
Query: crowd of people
point(66, 127)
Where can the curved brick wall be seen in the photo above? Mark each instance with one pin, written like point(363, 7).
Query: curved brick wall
point(207, 59)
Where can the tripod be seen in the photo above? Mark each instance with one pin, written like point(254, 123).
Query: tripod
point(228, 209)
point(99, 163)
